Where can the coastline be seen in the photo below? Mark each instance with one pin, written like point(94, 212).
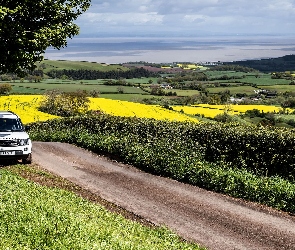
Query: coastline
point(113, 50)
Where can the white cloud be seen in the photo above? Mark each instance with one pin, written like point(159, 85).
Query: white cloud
point(143, 8)
point(122, 18)
point(195, 18)
point(185, 16)
point(284, 5)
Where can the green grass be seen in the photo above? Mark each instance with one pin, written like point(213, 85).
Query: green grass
point(59, 81)
point(286, 117)
point(233, 90)
point(261, 80)
point(264, 80)
point(40, 88)
point(37, 217)
point(281, 88)
point(22, 89)
point(144, 80)
point(126, 97)
point(214, 73)
point(185, 92)
point(254, 120)
point(60, 64)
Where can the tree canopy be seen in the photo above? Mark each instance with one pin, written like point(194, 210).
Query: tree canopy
point(28, 28)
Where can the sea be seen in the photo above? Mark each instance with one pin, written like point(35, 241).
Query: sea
point(112, 50)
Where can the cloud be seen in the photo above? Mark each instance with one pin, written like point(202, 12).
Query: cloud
point(195, 18)
point(187, 16)
point(123, 18)
point(283, 5)
point(185, 6)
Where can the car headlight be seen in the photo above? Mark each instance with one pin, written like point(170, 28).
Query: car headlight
point(23, 142)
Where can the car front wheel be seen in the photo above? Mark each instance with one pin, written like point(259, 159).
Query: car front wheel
point(27, 160)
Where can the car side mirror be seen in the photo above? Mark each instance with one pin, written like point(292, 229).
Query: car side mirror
point(27, 127)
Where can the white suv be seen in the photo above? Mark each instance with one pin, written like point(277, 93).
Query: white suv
point(14, 141)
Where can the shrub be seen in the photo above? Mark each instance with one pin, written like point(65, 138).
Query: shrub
point(223, 118)
point(241, 161)
point(5, 88)
point(65, 103)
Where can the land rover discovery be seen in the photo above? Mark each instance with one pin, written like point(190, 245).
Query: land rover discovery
point(14, 141)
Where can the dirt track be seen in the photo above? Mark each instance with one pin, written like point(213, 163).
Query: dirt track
point(212, 220)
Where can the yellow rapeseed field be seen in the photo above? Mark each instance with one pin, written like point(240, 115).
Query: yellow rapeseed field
point(26, 106)
point(211, 111)
point(206, 111)
point(244, 108)
point(130, 109)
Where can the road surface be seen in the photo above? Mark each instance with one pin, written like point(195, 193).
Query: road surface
point(213, 220)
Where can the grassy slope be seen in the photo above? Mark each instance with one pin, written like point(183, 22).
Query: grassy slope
point(34, 216)
point(233, 90)
point(59, 65)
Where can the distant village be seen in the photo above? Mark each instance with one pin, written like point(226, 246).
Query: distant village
point(171, 67)
point(187, 66)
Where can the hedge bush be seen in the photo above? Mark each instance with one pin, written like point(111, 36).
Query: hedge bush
point(252, 163)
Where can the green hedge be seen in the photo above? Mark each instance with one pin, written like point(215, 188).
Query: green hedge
point(266, 151)
point(199, 154)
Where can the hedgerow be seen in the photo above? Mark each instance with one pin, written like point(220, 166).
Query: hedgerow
point(252, 163)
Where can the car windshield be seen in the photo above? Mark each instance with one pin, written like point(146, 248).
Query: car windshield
point(7, 124)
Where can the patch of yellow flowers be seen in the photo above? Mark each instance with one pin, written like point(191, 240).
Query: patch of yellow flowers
point(127, 109)
point(211, 111)
point(26, 106)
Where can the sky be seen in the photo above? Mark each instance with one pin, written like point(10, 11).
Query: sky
point(117, 31)
point(187, 18)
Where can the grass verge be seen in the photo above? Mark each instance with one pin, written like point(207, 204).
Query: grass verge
point(34, 216)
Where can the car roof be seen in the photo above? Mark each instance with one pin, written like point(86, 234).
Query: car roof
point(8, 114)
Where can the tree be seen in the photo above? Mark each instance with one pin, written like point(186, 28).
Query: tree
point(214, 99)
point(120, 90)
point(225, 117)
point(224, 96)
point(28, 28)
point(288, 103)
point(5, 88)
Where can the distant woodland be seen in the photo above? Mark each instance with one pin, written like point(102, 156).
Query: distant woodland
point(280, 64)
point(96, 74)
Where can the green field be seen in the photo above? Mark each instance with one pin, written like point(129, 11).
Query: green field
point(40, 88)
point(86, 82)
point(48, 65)
point(143, 80)
point(215, 74)
point(281, 88)
point(260, 79)
point(235, 86)
point(233, 90)
point(180, 92)
point(264, 80)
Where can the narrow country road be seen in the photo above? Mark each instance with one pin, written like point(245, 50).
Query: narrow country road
point(212, 220)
